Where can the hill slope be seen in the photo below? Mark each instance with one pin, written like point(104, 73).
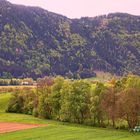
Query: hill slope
point(35, 42)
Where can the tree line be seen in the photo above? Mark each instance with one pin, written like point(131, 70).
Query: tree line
point(112, 104)
point(14, 81)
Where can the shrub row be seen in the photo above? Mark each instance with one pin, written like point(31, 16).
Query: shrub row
point(82, 101)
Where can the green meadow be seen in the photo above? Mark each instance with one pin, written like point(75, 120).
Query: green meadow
point(57, 130)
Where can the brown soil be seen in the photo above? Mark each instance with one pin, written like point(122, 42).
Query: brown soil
point(10, 127)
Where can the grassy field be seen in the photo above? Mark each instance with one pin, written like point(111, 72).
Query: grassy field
point(22, 86)
point(57, 130)
point(5, 89)
point(64, 132)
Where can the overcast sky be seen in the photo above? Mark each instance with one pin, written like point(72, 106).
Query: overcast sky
point(81, 8)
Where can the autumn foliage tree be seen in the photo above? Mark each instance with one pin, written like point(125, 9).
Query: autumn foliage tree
point(129, 106)
point(109, 104)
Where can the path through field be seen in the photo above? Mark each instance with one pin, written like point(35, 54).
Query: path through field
point(10, 127)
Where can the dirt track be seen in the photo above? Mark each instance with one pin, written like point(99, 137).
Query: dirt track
point(10, 127)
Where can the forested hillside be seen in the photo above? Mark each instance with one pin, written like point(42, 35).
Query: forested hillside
point(35, 43)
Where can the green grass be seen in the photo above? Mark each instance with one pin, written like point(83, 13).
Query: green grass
point(57, 130)
point(64, 132)
point(21, 118)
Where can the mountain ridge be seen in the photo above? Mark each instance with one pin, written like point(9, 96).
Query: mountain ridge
point(35, 42)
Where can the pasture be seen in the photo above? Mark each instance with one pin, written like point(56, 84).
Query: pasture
point(56, 130)
point(9, 89)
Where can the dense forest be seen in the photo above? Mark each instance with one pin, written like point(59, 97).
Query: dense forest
point(35, 42)
point(115, 103)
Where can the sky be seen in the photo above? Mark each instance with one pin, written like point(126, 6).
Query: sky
point(84, 8)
